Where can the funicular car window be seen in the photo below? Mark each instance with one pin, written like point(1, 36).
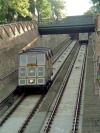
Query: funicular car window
point(31, 59)
point(41, 59)
point(23, 60)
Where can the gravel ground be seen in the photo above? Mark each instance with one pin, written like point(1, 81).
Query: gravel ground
point(91, 111)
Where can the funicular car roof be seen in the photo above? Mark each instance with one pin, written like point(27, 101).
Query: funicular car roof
point(33, 50)
point(46, 49)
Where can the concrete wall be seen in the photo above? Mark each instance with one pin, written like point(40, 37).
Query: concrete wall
point(96, 57)
point(13, 38)
point(97, 45)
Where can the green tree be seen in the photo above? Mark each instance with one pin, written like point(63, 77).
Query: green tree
point(43, 9)
point(32, 6)
point(50, 9)
point(58, 7)
point(91, 11)
point(96, 3)
point(9, 7)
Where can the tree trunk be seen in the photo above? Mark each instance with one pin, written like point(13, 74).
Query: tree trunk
point(9, 17)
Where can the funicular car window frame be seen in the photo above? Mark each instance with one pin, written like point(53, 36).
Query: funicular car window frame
point(31, 55)
point(20, 71)
point(43, 63)
point(21, 64)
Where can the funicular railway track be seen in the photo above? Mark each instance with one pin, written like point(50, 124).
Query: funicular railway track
point(53, 120)
point(37, 103)
point(45, 124)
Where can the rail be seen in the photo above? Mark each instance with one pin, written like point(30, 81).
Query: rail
point(79, 98)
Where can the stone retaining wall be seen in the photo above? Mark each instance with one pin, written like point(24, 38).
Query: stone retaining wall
point(97, 55)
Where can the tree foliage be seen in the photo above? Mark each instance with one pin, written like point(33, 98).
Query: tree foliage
point(96, 4)
point(43, 9)
point(91, 11)
point(58, 7)
point(32, 6)
point(9, 7)
point(46, 9)
point(50, 9)
point(94, 9)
